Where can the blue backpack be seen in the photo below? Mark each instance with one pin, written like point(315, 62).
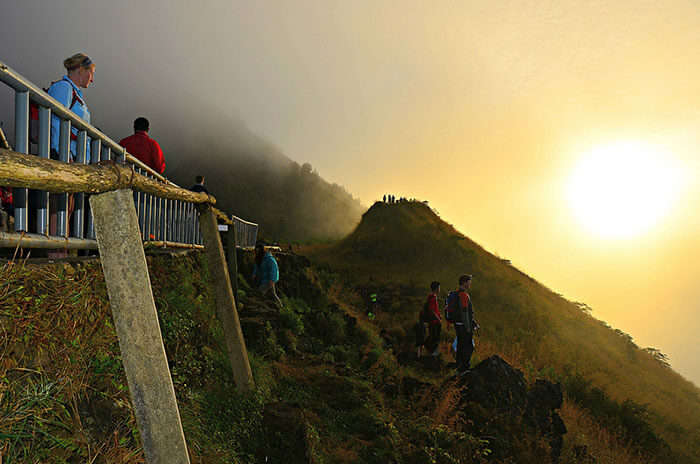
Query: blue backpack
point(453, 313)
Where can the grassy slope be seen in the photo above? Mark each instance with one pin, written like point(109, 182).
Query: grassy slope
point(520, 318)
point(64, 397)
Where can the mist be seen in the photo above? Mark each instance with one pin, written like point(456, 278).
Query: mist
point(145, 67)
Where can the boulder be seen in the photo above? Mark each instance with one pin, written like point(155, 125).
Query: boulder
point(496, 402)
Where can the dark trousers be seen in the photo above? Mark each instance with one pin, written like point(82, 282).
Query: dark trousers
point(465, 348)
point(433, 337)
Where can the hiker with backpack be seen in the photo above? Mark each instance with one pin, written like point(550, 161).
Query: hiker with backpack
point(431, 316)
point(460, 312)
point(266, 273)
point(68, 91)
point(80, 72)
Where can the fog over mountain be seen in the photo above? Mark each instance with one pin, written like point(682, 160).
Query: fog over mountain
point(140, 71)
point(256, 181)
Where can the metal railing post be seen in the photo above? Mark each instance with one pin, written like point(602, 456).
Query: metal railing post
point(44, 150)
point(95, 155)
point(138, 203)
point(63, 155)
point(20, 195)
point(79, 198)
point(149, 213)
point(178, 222)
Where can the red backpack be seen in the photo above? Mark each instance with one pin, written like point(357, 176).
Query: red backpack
point(6, 197)
point(34, 115)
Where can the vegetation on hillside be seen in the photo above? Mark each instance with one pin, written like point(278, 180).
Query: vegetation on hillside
point(397, 250)
point(319, 372)
point(333, 387)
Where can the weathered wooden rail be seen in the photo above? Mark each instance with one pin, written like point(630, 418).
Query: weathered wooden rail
point(130, 207)
point(128, 284)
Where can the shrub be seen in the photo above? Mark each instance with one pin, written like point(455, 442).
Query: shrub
point(292, 321)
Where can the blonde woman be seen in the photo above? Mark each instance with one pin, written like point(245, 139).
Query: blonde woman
point(80, 73)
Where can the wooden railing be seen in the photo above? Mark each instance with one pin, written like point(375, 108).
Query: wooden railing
point(114, 189)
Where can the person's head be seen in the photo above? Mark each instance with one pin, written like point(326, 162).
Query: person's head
point(141, 124)
point(259, 252)
point(435, 286)
point(81, 69)
point(199, 180)
point(465, 281)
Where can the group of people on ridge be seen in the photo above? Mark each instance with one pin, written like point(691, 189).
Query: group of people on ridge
point(391, 199)
point(458, 311)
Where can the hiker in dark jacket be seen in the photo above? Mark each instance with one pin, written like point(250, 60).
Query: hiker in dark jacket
point(433, 319)
point(465, 326)
point(199, 185)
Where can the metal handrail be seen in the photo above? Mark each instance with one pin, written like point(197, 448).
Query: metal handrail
point(36, 94)
point(161, 220)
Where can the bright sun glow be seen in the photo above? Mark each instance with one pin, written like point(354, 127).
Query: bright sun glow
point(623, 189)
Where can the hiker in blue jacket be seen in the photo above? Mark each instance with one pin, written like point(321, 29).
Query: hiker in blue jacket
point(266, 273)
point(68, 91)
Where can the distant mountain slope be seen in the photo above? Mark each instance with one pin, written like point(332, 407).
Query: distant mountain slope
point(408, 243)
point(254, 180)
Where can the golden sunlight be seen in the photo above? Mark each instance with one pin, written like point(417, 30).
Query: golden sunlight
point(623, 189)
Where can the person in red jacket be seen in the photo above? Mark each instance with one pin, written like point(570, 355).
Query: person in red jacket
point(143, 147)
point(433, 319)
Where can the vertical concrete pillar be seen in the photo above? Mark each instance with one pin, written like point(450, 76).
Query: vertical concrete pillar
point(136, 322)
point(232, 258)
point(225, 302)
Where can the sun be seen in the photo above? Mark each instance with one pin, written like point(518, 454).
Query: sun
point(623, 189)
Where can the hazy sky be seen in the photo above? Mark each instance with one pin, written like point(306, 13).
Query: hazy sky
point(483, 108)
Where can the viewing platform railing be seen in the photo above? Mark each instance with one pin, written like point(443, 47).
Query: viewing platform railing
point(131, 206)
point(40, 223)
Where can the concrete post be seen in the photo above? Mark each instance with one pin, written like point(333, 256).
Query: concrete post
point(232, 258)
point(225, 302)
point(136, 321)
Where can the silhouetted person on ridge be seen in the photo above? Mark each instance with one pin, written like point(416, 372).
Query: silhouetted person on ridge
point(143, 147)
point(384, 199)
point(199, 185)
point(464, 324)
point(431, 311)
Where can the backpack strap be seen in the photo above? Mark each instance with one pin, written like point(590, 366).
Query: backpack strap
point(75, 98)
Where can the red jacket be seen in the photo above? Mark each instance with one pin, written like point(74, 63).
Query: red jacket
point(145, 149)
point(434, 310)
point(6, 197)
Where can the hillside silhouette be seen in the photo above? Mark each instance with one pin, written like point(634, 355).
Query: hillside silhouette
point(254, 180)
point(398, 249)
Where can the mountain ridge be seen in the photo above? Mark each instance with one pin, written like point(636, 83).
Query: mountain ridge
point(407, 242)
